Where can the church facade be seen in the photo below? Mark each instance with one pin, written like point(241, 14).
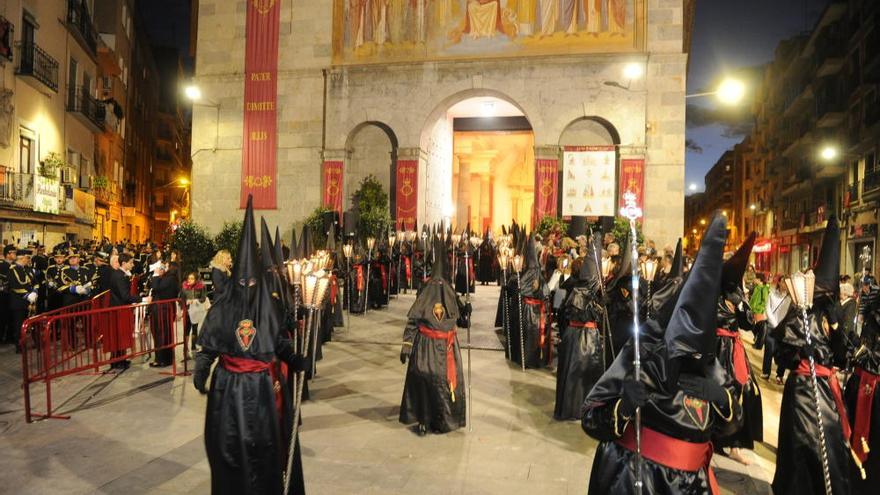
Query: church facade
point(471, 110)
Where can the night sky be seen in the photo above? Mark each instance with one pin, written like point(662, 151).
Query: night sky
point(167, 24)
point(733, 37)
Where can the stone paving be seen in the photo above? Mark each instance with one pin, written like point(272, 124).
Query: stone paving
point(141, 432)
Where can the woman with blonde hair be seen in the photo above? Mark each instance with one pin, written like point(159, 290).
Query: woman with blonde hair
point(221, 269)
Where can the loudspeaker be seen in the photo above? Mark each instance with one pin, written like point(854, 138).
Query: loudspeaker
point(329, 218)
point(350, 220)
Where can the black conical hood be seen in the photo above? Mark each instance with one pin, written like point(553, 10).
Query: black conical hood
point(438, 267)
point(531, 253)
point(295, 253)
point(246, 269)
point(677, 269)
point(305, 242)
point(589, 273)
point(279, 249)
point(503, 230)
point(827, 269)
point(735, 268)
point(331, 239)
point(435, 294)
point(691, 330)
point(267, 247)
point(624, 271)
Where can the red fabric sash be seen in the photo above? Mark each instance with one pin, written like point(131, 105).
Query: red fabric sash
point(823, 372)
point(407, 263)
point(862, 429)
point(740, 363)
point(359, 277)
point(334, 290)
point(542, 325)
point(451, 370)
point(473, 274)
point(384, 277)
point(581, 324)
point(672, 453)
point(234, 364)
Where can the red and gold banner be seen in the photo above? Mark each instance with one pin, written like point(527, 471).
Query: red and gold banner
point(407, 194)
point(545, 188)
point(332, 172)
point(258, 163)
point(632, 179)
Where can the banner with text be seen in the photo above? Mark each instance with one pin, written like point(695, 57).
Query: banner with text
point(545, 188)
point(332, 172)
point(632, 179)
point(47, 194)
point(589, 176)
point(259, 167)
point(407, 193)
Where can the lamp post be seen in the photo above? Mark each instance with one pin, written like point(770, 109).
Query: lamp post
point(649, 271)
point(502, 262)
point(517, 267)
point(801, 287)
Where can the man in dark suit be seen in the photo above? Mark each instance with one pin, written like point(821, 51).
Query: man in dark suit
point(22, 293)
point(164, 286)
point(6, 263)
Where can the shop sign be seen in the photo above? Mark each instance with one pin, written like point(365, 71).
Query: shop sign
point(47, 194)
point(762, 247)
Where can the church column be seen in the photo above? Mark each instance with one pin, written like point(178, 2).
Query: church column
point(407, 190)
point(546, 182)
point(332, 179)
point(485, 198)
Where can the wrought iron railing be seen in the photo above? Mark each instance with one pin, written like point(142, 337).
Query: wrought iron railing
point(79, 19)
point(16, 188)
point(80, 100)
point(35, 62)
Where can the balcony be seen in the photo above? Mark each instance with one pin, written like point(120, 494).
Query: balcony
point(106, 192)
point(851, 195)
point(16, 189)
point(37, 65)
point(830, 56)
point(86, 109)
point(830, 105)
point(80, 24)
point(871, 183)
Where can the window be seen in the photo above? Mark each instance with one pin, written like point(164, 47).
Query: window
point(85, 171)
point(71, 83)
point(28, 29)
point(73, 159)
point(26, 151)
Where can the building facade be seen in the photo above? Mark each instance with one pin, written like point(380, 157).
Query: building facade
point(401, 90)
point(813, 151)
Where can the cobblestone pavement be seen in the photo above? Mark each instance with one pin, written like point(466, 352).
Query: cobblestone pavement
point(141, 432)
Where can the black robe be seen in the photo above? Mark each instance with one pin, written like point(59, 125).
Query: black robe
point(799, 455)
point(582, 355)
point(665, 412)
point(531, 307)
point(750, 427)
point(428, 396)
point(486, 264)
point(866, 363)
point(357, 281)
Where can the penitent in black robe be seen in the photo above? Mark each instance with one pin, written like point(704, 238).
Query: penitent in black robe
point(529, 305)
point(668, 411)
point(861, 390)
point(486, 263)
point(799, 457)
point(750, 427)
point(430, 398)
point(582, 356)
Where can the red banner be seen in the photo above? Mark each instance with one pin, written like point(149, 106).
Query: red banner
point(407, 194)
point(632, 179)
point(258, 164)
point(332, 172)
point(545, 188)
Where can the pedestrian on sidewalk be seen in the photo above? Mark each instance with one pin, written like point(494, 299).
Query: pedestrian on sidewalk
point(195, 295)
point(758, 303)
point(778, 306)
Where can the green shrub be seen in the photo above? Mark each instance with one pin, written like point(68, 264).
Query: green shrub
point(371, 202)
point(229, 237)
point(195, 246)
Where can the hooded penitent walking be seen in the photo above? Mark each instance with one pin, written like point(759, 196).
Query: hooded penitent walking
point(582, 350)
point(799, 461)
point(487, 265)
point(529, 316)
point(862, 399)
point(734, 315)
point(434, 390)
point(684, 394)
point(247, 423)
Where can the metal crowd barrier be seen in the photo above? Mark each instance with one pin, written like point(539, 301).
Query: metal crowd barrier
point(85, 337)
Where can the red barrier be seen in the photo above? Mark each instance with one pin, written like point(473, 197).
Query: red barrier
point(63, 343)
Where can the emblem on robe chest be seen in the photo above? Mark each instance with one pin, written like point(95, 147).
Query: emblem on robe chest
point(245, 334)
point(438, 311)
point(263, 6)
point(697, 410)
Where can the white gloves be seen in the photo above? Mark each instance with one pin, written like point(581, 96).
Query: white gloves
point(81, 290)
point(32, 297)
point(52, 284)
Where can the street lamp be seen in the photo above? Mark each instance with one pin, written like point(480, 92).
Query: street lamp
point(194, 94)
point(753, 207)
point(829, 153)
point(730, 92)
point(633, 70)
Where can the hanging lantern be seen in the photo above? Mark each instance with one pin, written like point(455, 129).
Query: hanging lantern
point(517, 263)
point(503, 260)
point(346, 251)
point(801, 287)
point(309, 290)
point(648, 269)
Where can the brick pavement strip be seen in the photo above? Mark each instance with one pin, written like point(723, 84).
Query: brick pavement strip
point(142, 433)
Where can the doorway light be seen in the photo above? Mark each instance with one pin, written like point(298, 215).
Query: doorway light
point(487, 108)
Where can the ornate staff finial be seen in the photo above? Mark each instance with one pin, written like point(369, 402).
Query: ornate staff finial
point(630, 209)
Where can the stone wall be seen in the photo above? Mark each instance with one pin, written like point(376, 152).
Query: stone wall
point(320, 106)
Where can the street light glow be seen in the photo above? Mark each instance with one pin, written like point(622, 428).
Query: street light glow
point(183, 181)
point(632, 71)
point(829, 153)
point(692, 187)
point(193, 92)
point(731, 91)
point(753, 207)
point(702, 221)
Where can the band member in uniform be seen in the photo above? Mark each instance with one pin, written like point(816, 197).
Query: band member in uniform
point(734, 315)
point(433, 393)
point(53, 280)
point(799, 461)
point(76, 282)
point(23, 295)
point(7, 334)
point(245, 429)
point(684, 394)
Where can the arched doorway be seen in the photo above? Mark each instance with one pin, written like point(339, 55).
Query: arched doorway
point(480, 163)
point(372, 150)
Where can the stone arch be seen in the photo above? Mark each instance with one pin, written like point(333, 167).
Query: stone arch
point(436, 144)
point(589, 131)
point(371, 148)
